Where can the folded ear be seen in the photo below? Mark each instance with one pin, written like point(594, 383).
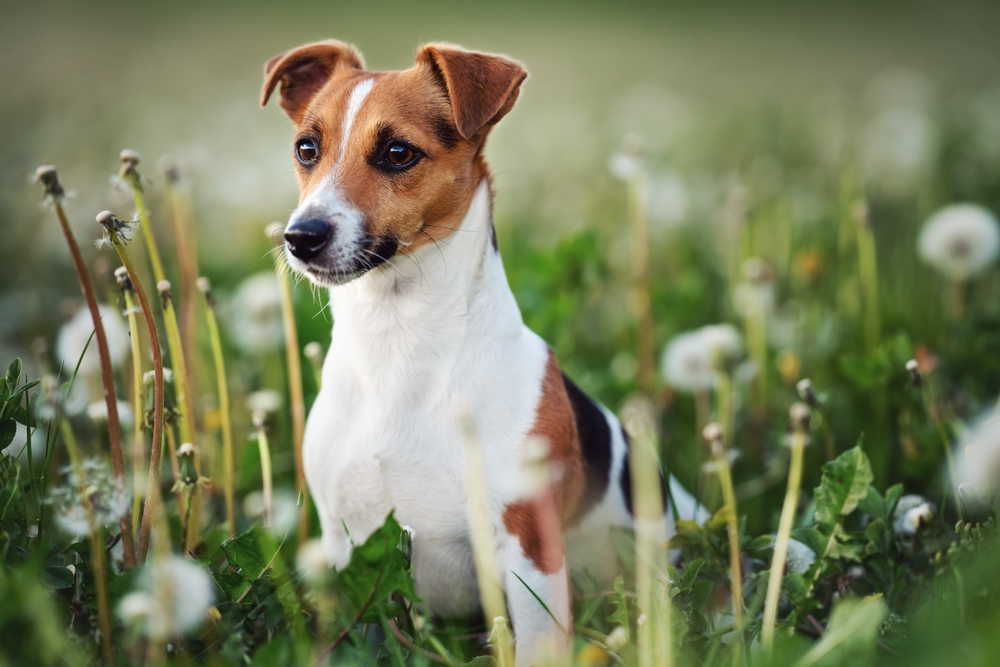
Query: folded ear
point(303, 71)
point(482, 87)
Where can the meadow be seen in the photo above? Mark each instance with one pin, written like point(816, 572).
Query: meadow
point(769, 241)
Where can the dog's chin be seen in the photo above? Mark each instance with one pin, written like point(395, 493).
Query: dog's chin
point(326, 277)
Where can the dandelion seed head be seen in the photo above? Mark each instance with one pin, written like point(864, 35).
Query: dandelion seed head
point(960, 241)
point(76, 332)
point(314, 353)
point(265, 400)
point(187, 449)
point(978, 455)
point(98, 412)
point(108, 499)
point(255, 314)
point(311, 560)
point(49, 178)
point(911, 514)
point(172, 598)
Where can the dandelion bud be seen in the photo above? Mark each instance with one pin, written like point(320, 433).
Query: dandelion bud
point(49, 178)
point(124, 280)
point(275, 232)
point(129, 156)
point(913, 368)
point(807, 393)
point(798, 415)
point(712, 433)
point(163, 287)
point(105, 217)
point(259, 419)
point(205, 286)
point(185, 456)
point(314, 353)
point(618, 639)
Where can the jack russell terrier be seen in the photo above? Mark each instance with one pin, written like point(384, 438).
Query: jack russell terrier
point(396, 219)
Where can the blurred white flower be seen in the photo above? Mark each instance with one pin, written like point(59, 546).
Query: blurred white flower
point(912, 512)
point(185, 587)
point(74, 335)
point(311, 560)
point(669, 201)
point(98, 412)
point(150, 376)
point(978, 455)
point(901, 138)
point(800, 557)
point(108, 499)
point(255, 314)
point(756, 293)
point(284, 509)
point(267, 400)
point(691, 359)
point(617, 639)
point(960, 240)
point(624, 166)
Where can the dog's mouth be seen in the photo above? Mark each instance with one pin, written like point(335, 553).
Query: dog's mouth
point(372, 253)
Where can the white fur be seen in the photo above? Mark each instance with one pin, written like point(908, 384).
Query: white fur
point(354, 102)
point(420, 342)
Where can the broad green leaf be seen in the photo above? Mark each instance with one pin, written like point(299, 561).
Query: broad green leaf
point(844, 484)
point(691, 573)
point(56, 577)
point(8, 428)
point(13, 373)
point(851, 637)
point(872, 503)
point(251, 552)
point(377, 569)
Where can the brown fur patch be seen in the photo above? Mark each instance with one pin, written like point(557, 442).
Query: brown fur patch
point(537, 523)
point(443, 106)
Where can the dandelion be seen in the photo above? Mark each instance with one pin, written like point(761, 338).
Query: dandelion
point(284, 510)
point(109, 500)
point(960, 241)
point(267, 401)
point(669, 201)
point(98, 413)
point(626, 163)
point(979, 455)
point(800, 557)
point(73, 337)
point(255, 314)
point(311, 560)
point(691, 360)
point(911, 514)
point(713, 435)
point(189, 595)
point(756, 293)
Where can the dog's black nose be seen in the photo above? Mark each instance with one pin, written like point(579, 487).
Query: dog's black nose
point(307, 238)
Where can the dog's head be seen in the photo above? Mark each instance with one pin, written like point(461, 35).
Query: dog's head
point(386, 161)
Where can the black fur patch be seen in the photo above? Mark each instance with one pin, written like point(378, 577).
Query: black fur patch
point(625, 480)
point(595, 445)
point(383, 250)
point(444, 130)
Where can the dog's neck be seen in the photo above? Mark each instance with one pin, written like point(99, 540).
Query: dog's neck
point(427, 308)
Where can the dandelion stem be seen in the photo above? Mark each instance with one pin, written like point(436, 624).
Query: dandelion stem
point(483, 538)
point(178, 196)
point(138, 442)
point(50, 179)
point(184, 403)
point(152, 484)
point(265, 469)
point(651, 542)
point(294, 384)
point(868, 268)
point(780, 556)
point(715, 437)
point(641, 301)
point(223, 387)
point(96, 543)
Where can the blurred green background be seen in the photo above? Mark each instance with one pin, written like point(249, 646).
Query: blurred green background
point(777, 103)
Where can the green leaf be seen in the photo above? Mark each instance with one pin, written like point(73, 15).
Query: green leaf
point(844, 484)
point(13, 373)
point(852, 636)
point(56, 577)
point(619, 615)
point(251, 552)
point(691, 573)
point(878, 537)
point(377, 569)
point(8, 428)
point(701, 592)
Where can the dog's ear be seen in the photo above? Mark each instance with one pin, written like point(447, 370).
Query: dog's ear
point(303, 71)
point(482, 87)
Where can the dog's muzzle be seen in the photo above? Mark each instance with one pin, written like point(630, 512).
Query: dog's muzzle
point(306, 239)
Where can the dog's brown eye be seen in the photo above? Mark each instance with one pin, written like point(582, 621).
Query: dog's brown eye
point(399, 154)
point(307, 151)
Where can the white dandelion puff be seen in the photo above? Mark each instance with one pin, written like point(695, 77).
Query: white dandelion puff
point(912, 512)
point(255, 314)
point(692, 359)
point(800, 557)
point(173, 597)
point(266, 400)
point(74, 335)
point(311, 560)
point(98, 412)
point(108, 499)
point(979, 455)
point(960, 240)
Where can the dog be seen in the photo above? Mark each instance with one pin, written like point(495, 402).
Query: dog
point(395, 218)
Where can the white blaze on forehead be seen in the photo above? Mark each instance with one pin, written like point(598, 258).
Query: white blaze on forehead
point(358, 96)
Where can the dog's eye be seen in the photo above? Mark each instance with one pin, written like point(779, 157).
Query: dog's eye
point(400, 156)
point(307, 151)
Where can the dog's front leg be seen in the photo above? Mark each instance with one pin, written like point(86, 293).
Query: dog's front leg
point(540, 637)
